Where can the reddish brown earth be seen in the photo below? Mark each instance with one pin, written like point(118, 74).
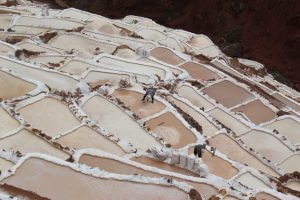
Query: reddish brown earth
point(266, 31)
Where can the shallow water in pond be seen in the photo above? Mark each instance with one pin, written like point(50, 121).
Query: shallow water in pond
point(7, 123)
point(266, 144)
point(30, 143)
point(126, 128)
point(208, 128)
point(134, 101)
point(172, 130)
point(256, 111)
point(39, 176)
point(49, 115)
point(85, 137)
point(291, 164)
point(231, 148)
point(287, 127)
point(11, 86)
point(227, 93)
point(194, 97)
point(166, 55)
point(199, 72)
point(252, 181)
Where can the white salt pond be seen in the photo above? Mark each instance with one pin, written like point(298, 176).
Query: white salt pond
point(7, 123)
point(232, 150)
point(131, 42)
point(291, 164)
point(234, 124)
point(288, 102)
point(49, 115)
point(208, 128)
point(133, 66)
point(5, 21)
point(85, 137)
point(287, 127)
point(194, 97)
point(228, 94)
point(105, 112)
point(172, 130)
point(39, 175)
point(66, 41)
point(26, 142)
point(36, 47)
point(5, 164)
point(200, 42)
point(29, 29)
point(75, 14)
point(266, 144)
point(252, 181)
point(133, 100)
point(53, 23)
point(11, 86)
point(95, 76)
point(53, 79)
point(151, 34)
point(75, 67)
point(171, 43)
point(5, 48)
point(294, 185)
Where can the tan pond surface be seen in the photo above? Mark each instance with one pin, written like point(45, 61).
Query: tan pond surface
point(105, 113)
point(208, 128)
point(194, 97)
point(11, 86)
point(85, 137)
point(251, 181)
point(26, 142)
point(205, 189)
point(294, 185)
point(199, 72)
point(5, 21)
point(7, 123)
point(287, 127)
point(82, 44)
point(4, 48)
point(41, 113)
point(5, 164)
point(231, 148)
point(75, 67)
point(164, 166)
point(230, 198)
point(172, 130)
point(287, 102)
point(291, 164)
point(114, 166)
point(267, 145)
point(134, 101)
point(133, 66)
point(200, 42)
point(35, 47)
point(256, 111)
point(53, 23)
point(217, 165)
point(265, 196)
point(38, 175)
point(28, 29)
point(227, 93)
point(53, 79)
point(166, 56)
point(103, 77)
point(234, 124)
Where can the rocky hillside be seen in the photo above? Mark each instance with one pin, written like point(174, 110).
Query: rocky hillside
point(266, 31)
